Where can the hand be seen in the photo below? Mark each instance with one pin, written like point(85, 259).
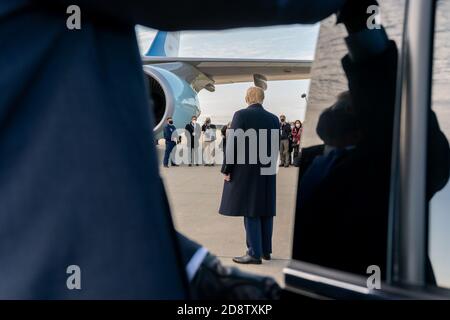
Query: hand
point(215, 281)
point(227, 177)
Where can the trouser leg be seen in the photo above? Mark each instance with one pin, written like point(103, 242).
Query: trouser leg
point(212, 152)
point(207, 156)
point(287, 159)
point(296, 150)
point(195, 158)
point(284, 152)
point(281, 153)
point(167, 153)
point(191, 155)
point(253, 236)
point(266, 234)
point(171, 156)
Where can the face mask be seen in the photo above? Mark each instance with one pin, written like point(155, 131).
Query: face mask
point(170, 122)
point(297, 125)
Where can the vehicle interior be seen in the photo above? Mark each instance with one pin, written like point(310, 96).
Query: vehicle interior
point(392, 199)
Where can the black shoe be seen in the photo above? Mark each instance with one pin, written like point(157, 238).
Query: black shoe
point(266, 257)
point(286, 166)
point(174, 165)
point(190, 165)
point(166, 166)
point(197, 165)
point(247, 259)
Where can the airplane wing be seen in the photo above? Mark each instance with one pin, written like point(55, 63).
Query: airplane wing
point(223, 70)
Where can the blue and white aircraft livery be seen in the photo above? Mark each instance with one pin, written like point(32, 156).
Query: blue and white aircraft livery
point(175, 81)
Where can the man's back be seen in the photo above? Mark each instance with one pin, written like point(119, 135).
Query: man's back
point(256, 117)
point(252, 191)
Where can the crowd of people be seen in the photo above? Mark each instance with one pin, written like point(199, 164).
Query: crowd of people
point(205, 136)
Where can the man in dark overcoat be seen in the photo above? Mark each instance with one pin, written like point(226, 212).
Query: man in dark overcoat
point(250, 185)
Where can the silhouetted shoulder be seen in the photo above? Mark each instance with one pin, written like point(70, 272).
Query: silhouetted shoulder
point(275, 118)
point(238, 119)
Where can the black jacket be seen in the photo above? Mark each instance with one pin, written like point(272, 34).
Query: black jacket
point(194, 134)
point(285, 131)
point(206, 127)
point(224, 137)
point(307, 156)
point(169, 129)
point(249, 193)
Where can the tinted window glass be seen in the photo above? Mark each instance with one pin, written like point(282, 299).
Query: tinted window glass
point(438, 186)
point(343, 192)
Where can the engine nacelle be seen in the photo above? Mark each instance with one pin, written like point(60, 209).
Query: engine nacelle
point(171, 97)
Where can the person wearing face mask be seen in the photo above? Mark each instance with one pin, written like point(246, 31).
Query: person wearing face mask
point(193, 134)
point(171, 137)
point(209, 138)
point(285, 135)
point(296, 138)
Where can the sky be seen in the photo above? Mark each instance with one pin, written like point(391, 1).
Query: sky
point(282, 42)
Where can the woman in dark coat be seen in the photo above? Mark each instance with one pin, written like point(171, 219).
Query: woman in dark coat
point(250, 188)
point(296, 139)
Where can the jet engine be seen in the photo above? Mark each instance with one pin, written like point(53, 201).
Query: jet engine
point(170, 96)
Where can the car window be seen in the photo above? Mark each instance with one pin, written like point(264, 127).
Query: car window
point(439, 205)
point(343, 191)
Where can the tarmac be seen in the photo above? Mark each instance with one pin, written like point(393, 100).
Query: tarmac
point(194, 195)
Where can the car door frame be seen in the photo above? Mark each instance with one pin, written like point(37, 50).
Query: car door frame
point(408, 234)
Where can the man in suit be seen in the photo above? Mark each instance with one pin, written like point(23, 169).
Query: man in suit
point(171, 137)
point(285, 137)
point(193, 135)
point(247, 192)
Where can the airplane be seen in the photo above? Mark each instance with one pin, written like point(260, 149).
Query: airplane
point(175, 82)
